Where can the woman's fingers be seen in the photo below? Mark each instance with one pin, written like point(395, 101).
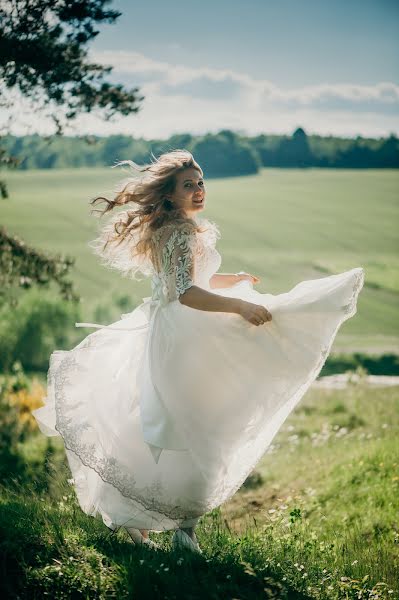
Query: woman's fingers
point(263, 315)
point(256, 314)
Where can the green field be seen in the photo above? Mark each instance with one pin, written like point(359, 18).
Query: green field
point(285, 225)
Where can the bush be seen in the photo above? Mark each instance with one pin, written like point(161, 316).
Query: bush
point(383, 364)
point(13, 428)
point(34, 328)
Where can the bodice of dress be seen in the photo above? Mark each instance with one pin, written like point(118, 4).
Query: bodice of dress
point(182, 257)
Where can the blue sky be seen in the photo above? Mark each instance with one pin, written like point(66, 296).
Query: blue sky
point(331, 66)
point(291, 42)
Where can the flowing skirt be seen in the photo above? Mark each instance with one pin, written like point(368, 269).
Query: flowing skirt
point(165, 413)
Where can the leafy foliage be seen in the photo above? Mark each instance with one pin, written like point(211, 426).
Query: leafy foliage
point(23, 266)
point(30, 331)
point(43, 55)
point(223, 154)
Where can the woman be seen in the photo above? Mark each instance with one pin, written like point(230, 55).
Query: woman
point(165, 412)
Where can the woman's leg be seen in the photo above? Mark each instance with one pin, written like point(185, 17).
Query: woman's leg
point(191, 530)
point(144, 533)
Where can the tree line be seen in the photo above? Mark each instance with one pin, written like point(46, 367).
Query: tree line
point(225, 153)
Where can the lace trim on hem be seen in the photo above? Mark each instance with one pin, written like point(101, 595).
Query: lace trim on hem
point(108, 468)
point(113, 473)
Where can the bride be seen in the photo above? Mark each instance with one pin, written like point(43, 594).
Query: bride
point(165, 412)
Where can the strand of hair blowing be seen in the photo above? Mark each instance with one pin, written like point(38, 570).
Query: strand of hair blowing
point(151, 210)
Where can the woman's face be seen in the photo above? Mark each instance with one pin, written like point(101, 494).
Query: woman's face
point(189, 192)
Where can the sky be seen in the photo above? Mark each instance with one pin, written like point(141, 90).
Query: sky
point(259, 66)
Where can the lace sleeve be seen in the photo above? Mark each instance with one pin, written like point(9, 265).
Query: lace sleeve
point(178, 261)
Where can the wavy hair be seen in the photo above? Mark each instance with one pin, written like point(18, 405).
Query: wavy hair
point(124, 242)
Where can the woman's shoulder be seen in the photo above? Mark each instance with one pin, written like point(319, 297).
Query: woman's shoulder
point(210, 232)
point(198, 227)
point(167, 228)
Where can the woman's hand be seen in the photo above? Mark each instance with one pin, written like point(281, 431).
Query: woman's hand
point(241, 276)
point(254, 313)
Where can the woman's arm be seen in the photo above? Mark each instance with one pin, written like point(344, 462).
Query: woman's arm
point(224, 280)
point(196, 297)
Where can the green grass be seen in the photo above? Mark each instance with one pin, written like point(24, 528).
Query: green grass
point(336, 460)
point(318, 518)
point(285, 225)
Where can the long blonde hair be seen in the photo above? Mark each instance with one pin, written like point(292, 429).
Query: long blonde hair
point(125, 241)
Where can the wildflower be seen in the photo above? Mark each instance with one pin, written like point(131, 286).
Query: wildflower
point(141, 562)
point(354, 562)
point(166, 569)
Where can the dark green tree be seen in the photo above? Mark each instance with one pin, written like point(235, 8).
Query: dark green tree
point(295, 151)
point(44, 57)
point(225, 155)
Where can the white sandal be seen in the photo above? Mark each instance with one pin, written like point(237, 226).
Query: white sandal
point(182, 540)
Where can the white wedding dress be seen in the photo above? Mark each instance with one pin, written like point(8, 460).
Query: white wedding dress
point(166, 412)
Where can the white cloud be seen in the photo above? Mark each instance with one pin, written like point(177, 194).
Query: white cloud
point(181, 99)
point(163, 73)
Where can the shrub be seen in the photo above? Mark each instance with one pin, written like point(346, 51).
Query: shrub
point(34, 328)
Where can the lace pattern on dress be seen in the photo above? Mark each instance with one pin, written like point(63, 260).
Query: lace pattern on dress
point(151, 498)
point(183, 257)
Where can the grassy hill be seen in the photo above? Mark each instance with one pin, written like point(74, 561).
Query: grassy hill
point(285, 225)
point(316, 519)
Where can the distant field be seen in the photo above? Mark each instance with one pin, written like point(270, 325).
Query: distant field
point(285, 225)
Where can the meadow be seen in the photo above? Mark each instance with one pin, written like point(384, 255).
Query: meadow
point(316, 519)
point(285, 225)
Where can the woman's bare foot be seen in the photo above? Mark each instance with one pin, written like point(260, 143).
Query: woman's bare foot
point(144, 533)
